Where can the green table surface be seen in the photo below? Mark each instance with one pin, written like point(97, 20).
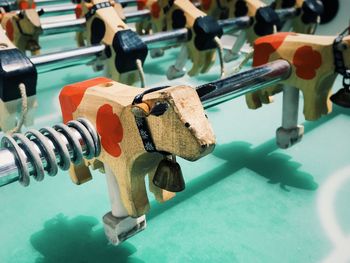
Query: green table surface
point(249, 201)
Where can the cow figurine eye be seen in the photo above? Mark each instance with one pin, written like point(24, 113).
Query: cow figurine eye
point(187, 125)
point(159, 108)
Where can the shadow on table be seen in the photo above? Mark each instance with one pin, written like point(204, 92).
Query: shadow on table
point(76, 240)
point(277, 168)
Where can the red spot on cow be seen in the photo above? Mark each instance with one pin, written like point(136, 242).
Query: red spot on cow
point(141, 4)
point(265, 46)
point(206, 4)
point(306, 62)
point(9, 30)
point(110, 129)
point(23, 5)
point(155, 10)
point(78, 11)
point(71, 96)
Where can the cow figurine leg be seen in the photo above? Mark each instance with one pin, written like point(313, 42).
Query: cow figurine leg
point(236, 48)
point(118, 225)
point(178, 70)
point(290, 132)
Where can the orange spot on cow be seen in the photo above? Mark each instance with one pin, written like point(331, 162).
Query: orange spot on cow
point(267, 45)
point(23, 5)
point(141, 4)
point(110, 129)
point(78, 11)
point(155, 10)
point(71, 96)
point(9, 30)
point(306, 62)
point(206, 4)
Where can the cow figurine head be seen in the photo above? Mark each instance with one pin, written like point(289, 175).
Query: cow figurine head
point(138, 129)
point(125, 52)
point(307, 19)
point(16, 72)
point(313, 69)
point(23, 29)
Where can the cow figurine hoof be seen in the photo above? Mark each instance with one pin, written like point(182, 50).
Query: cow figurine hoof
point(230, 56)
point(118, 229)
point(174, 73)
point(156, 53)
point(288, 137)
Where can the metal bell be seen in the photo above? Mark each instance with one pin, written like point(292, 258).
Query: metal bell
point(341, 98)
point(168, 176)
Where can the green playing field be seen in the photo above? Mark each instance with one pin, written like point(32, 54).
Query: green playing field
point(247, 202)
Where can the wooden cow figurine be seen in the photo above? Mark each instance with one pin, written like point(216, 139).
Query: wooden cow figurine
point(307, 20)
point(313, 72)
point(168, 15)
point(23, 29)
point(16, 71)
point(125, 52)
point(138, 128)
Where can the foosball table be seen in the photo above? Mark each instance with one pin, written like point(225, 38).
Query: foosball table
point(193, 131)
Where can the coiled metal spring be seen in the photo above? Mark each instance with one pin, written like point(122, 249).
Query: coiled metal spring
point(37, 152)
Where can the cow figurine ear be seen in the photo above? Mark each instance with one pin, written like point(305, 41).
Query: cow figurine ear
point(20, 15)
point(140, 110)
point(159, 108)
point(41, 12)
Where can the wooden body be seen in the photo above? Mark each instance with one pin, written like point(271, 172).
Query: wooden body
point(23, 29)
point(312, 63)
point(102, 28)
point(182, 129)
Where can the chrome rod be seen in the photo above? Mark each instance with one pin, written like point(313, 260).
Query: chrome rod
point(244, 82)
point(63, 26)
point(9, 164)
point(233, 24)
point(287, 13)
point(63, 59)
point(165, 39)
point(137, 16)
point(46, 1)
point(50, 9)
point(228, 25)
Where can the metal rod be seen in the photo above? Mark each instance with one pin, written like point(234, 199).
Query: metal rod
point(287, 13)
point(46, 1)
point(50, 9)
point(228, 25)
point(245, 82)
point(63, 59)
point(165, 39)
point(233, 24)
point(75, 56)
point(9, 172)
point(78, 24)
point(63, 26)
